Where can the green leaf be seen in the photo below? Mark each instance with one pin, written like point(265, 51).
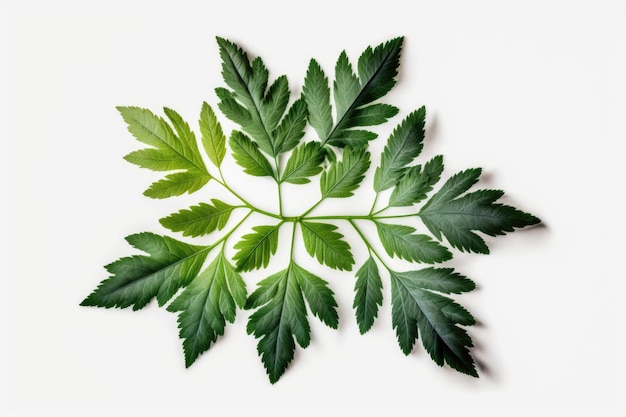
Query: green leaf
point(136, 280)
point(456, 217)
point(317, 97)
point(415, 309)
point(281, 317)
point(416, 183)
point(443, 280)
point(372, 115)
point(343, 177)
point(259, 111)
point(399, 240)
point(328, 246)
point(169, 152)
point(404, 145)
point(305, 161)
point(368, 295)
point(205, 306)
point(248, 156)
point(255, 249)
point(291, 129)
point(318, 296)
point(377, 69)
point(199, 220)
point(213, 138)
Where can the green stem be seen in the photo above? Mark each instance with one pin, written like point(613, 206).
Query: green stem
point(293, 241)
point(369, 246)
point(247, 204)
point(227, 235)
point(311, 209)
point(374, 203)
point(368, 217)
point(278, 182)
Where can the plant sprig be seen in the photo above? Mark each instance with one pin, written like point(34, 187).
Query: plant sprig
point(207, 293)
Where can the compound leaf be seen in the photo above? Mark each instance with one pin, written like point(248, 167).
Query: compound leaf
point(324, 243)
point(255, 249)
point(368, 295)
point(205, 306)
point(199, 220)
point(136, 280)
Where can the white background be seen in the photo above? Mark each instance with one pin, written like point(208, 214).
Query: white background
point(533, 92)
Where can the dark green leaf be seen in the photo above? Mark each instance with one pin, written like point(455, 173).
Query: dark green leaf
point(322, 241)
point(282, 315)
point(213, 138)
point(199, 220)
point(305, 161)
point(135, 280)
point(255, 249)
point(205, 306)
point(416, 183)
point(368, 295)
point(377, 68)
point(248, 156)
point(399, 240)
point(437, 318)
point(371, 115)
point(404, 145)
point(458, 217)
point(443, 280)
point(343, 177)
point(318, 296)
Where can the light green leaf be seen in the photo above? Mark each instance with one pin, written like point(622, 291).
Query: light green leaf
point(368, 295)
point(177, 184)
point(416, 183)
point(436, 318)
point(213, 138)
point(248, 156)
point(343, 177)
point(205, 306)
point(255, 249)
point(404, 145)
point(305, 161)
point(169, 152)
point(458, 217)
point(199, 220)
point(135, 280)
point(328, 246)
point(399, 240)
